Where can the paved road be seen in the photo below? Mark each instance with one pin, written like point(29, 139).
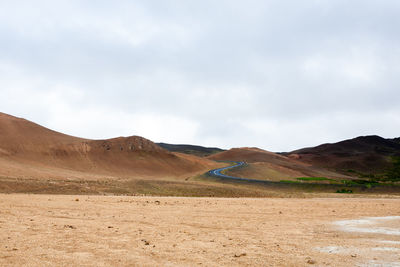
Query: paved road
point(217, 173)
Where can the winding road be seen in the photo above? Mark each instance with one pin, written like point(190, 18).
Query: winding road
point(218, 173)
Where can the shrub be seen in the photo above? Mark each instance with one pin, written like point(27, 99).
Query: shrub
point(344, 191)
point(393, 174)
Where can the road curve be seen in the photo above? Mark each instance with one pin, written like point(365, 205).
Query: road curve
point(217, 173)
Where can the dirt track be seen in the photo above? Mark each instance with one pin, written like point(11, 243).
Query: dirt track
point(49, 230)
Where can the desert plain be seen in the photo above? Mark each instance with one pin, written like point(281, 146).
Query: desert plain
point(127, 201)
point(83, 230)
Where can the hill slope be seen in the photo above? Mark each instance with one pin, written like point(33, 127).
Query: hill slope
point(28, 150)
point(200, 151)
point(248, 154)
point(366, 154)
point(267, 165)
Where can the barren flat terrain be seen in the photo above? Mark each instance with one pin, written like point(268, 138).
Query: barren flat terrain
point(65, 230)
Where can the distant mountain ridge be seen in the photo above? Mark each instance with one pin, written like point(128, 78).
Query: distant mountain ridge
point(361, 157)
point(370, 154)
point(30, 150)
point(396, 140)
point(359, 144)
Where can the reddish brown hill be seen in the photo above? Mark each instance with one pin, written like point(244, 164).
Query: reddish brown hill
point(28, 150)
point(18, 136)
point(369, 154)
point(248, 154)
point(270, 166)
point(200, 151)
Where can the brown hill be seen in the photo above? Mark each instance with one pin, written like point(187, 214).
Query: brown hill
point(267, 165)
point(366, 154)
point(200, 151)
point(28, 150)
point(248, 154)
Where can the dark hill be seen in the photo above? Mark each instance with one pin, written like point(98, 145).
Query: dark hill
point(366, 154)
point(396, 140)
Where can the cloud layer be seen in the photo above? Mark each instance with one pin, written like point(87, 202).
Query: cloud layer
point(279, 75)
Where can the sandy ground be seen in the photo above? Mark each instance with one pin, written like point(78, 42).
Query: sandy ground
point(50, 230)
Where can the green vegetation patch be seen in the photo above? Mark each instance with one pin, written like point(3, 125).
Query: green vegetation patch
point(391, 174)
point(344, 191)
point(365, 175)
point(394, 173)
point(367, 183)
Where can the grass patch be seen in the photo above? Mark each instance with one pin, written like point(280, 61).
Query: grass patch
point(366, 183)
point(344, 191)
point(364, 175)
point(393, 174)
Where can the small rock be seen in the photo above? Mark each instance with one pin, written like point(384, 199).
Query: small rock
point(157, 202)
point(353, 255)
point(310, 261)
point(76, 199)
point(69, 226)
point(240, 255)
point(146, 242)
point(110, 227)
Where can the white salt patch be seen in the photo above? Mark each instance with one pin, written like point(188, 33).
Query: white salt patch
point(355, 225)
point(380, 264)
point(332, 249)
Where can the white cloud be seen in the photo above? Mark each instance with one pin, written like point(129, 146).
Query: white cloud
point(274, 74)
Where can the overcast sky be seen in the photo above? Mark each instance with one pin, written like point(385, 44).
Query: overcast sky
point(279, 75)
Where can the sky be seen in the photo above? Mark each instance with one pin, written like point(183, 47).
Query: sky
point(274, 74)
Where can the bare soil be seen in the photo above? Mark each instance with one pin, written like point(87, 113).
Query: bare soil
point(30, 151)
point(72, 230)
